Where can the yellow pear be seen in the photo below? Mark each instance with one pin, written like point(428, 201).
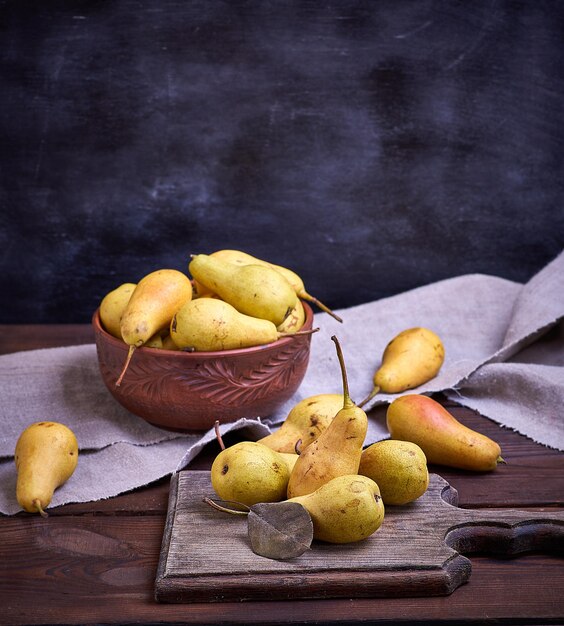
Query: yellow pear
point(336, 451)
point(254, 290)
point(398, 467)
point(238, 257)
point(290, 459)
point(168, 343)
point(155, 300)
point(248, 472)
point(46, 456)
point(294, 321)
point(346, 509)
point(443, 439)
point(112, 307)
point(410, 359)
point(210, 325)
point(305, 422)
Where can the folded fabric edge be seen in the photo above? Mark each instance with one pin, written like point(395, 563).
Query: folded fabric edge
point(454, 395)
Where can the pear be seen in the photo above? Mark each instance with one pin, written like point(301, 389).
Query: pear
point(443, 439)
point(248, 472)
point(210, 325)
point(398, 467)
point(254, 290)
point(346, 509)
point(305, 422)
point(294, 321)
point(46, 456)
point(156, 299)
point(238, 257)
point(410, 359)
point(338, 448)
point(112, 307)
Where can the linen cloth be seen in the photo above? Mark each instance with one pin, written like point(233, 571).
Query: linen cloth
point(504, 345)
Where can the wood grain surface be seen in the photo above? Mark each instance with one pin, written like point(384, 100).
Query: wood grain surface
point(96, 562)
point(206, 554)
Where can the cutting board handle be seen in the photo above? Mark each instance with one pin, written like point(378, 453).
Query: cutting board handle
point(507, 532)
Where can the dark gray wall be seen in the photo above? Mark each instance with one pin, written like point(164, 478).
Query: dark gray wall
point(372, 146)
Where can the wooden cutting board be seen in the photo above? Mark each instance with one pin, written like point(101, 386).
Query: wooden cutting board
point(206, 556)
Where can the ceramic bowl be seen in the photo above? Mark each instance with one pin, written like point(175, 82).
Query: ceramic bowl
point(189, 391)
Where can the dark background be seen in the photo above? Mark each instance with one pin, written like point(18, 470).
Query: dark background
point(371, 146)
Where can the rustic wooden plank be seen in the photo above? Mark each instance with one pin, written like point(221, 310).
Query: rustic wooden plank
point(206, 554)
point(16, 337)
point(88, 570)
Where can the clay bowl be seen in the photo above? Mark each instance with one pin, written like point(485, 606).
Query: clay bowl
point(189, 391)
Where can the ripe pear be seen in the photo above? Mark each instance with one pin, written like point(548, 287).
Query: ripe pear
point(46, 456)
point(337, 450)
point(348, 508)
point(398, 467)
point(412, 358)
point(254, 290)
point(156, 299)
point(238, 257)
point(112, 307)
point(443, 439)
point(248, 472)
point(305, 422)
point(294, 321)
point(210, 325)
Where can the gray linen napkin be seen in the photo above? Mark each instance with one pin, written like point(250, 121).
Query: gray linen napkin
point(504, 358)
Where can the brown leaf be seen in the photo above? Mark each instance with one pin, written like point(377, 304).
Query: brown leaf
point(279, 530)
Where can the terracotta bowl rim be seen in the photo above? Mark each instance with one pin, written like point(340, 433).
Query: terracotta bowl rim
point(160, 353)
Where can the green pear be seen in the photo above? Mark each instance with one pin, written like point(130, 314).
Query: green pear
point(338, 448)
point(248, 472)
point(305, 422)
point(443, 439)
point(254, 290)
point(410, 359)
point(46, 456)
point(156, 299)
point(237, 257)
point(112, 307)
point(348, 508)
point(398, 467)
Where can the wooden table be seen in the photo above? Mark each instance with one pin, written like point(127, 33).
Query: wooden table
point(96, 562)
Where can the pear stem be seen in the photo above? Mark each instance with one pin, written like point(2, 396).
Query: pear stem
point(37, 504)
point(369, 397)
point(306, 296)
point(225, 509)
point(218, 435)
point(127, 360)
point(346, 396)
point(298, 333)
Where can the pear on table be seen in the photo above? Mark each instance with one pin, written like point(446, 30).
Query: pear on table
point(248, 473)
point(46, 456)
point(346, 509)
point(398, 467)
point(338, 448)
point(305, 422)
point(411, 358)
point(443, 439)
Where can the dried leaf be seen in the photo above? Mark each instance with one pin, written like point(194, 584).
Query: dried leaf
point(280, 530)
